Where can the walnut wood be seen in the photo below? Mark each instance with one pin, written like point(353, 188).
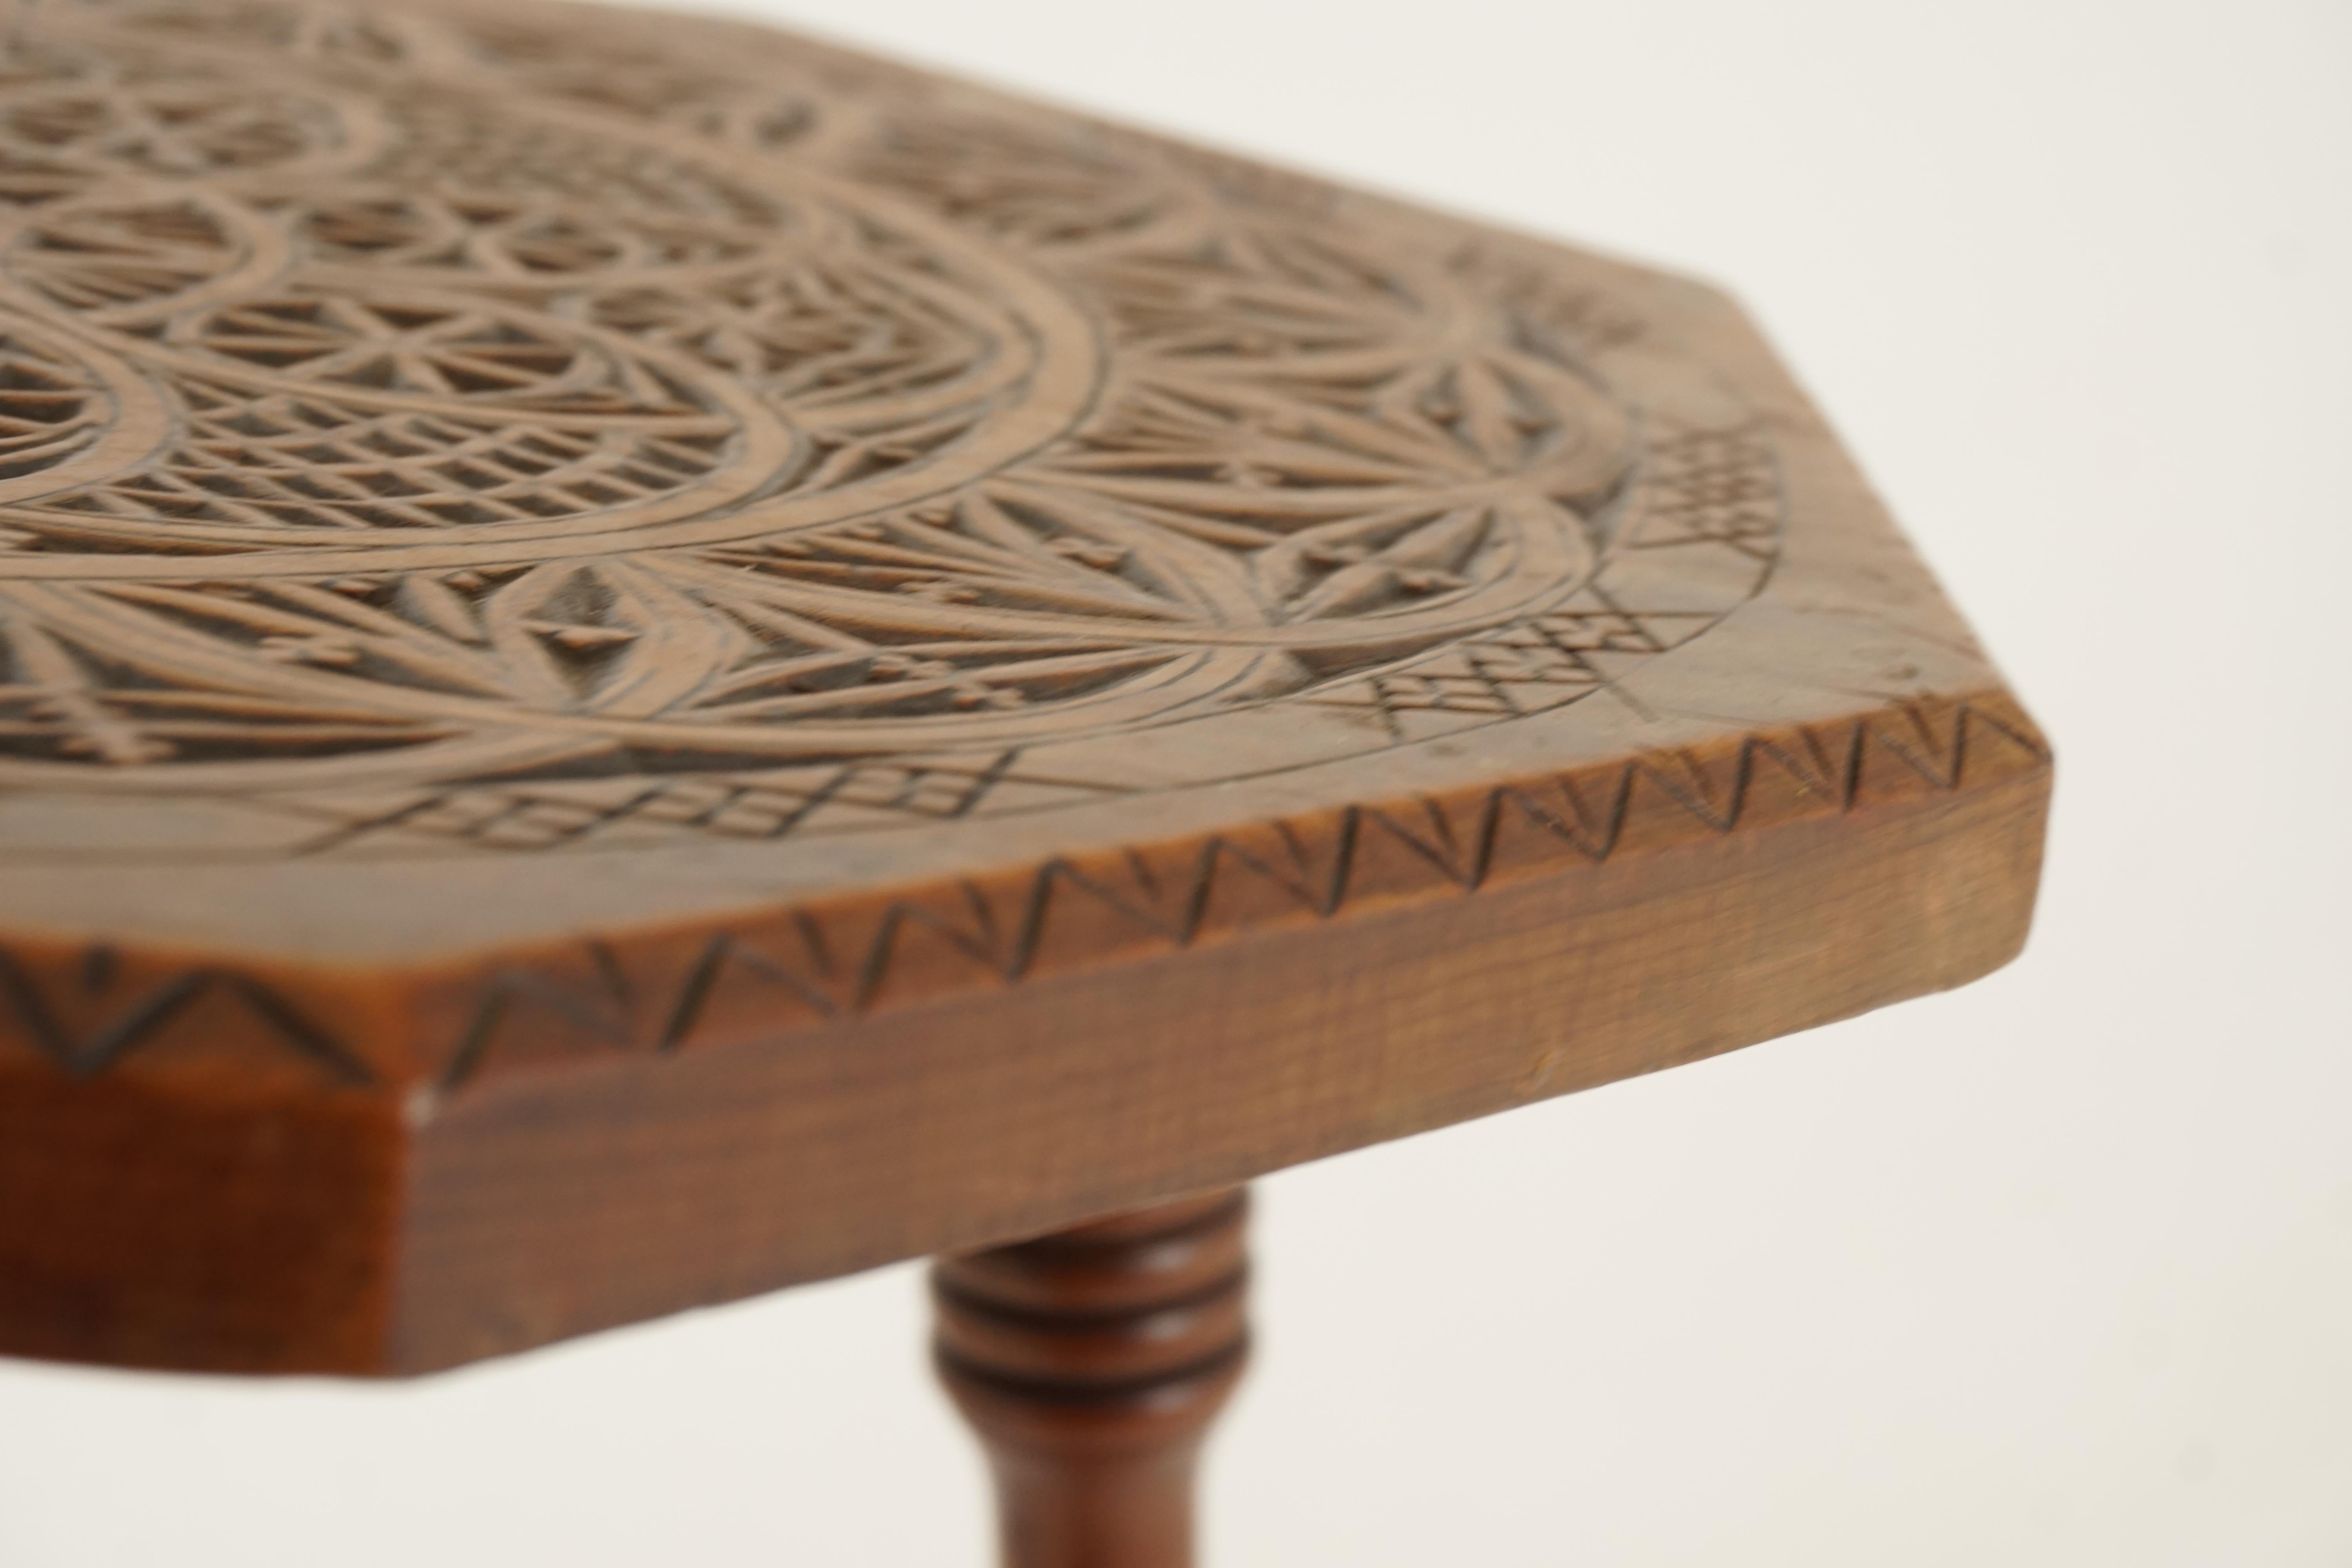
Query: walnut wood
point(641, 659)
point(1091, 1361)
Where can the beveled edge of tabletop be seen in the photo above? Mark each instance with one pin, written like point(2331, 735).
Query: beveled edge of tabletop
point(615, 1130)
point(206, 1021)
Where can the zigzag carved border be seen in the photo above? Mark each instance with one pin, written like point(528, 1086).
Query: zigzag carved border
point(810, 966)
point(92, 1010)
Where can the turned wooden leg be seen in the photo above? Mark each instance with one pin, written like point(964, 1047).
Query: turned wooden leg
point(1091, 1361)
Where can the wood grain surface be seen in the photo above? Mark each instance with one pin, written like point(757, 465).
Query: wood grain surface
point(641, 659)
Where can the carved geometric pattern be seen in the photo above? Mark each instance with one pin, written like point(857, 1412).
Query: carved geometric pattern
point(762, 806)
point(816, 963)
point(485, 418)
point(86, 1041)
point(442, 444)
point(824, 964)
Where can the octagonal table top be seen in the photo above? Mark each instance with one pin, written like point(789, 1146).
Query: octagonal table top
point(641, 658)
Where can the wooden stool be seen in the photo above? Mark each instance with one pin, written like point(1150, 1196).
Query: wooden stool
point(647, 660)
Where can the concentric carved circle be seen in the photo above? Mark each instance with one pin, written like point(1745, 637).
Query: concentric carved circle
point(486, 323)
point(52, 408)
point(463, 407)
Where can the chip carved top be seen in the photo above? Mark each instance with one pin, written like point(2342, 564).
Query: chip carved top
point(400, 400)
point(445, 438)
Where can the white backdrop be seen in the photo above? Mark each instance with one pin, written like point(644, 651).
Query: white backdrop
point(2055, 1270)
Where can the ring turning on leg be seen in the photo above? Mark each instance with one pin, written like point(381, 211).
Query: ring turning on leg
point(1091, 1361)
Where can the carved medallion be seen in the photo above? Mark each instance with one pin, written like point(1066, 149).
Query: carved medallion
point(465, 437)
